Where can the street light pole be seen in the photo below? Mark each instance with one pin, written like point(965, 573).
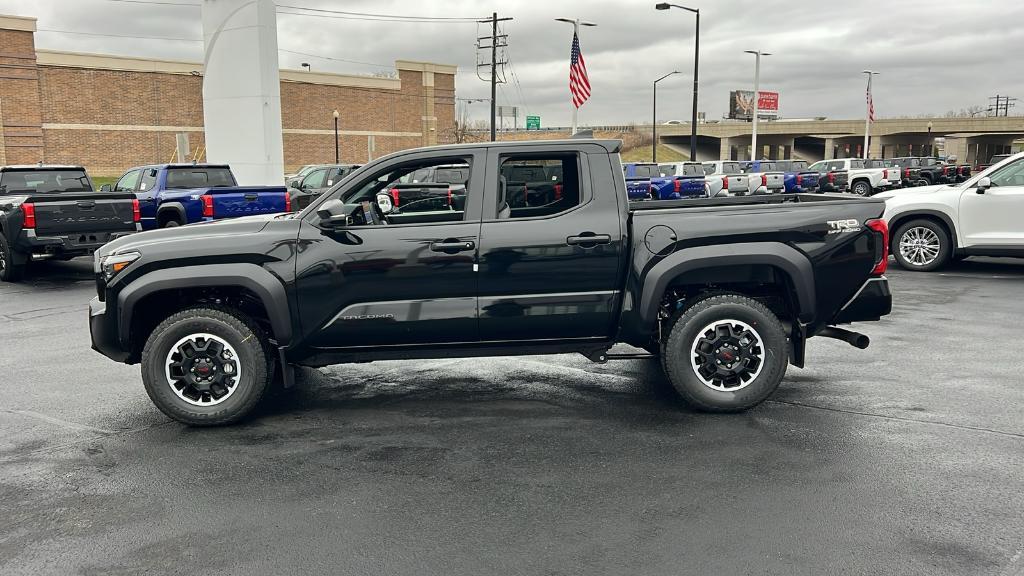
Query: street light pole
point(654, 118)
point(576, 23)
point(696, 65)
point(337, 147)
point(930, 138)
point(757, 99)
point(867, 112)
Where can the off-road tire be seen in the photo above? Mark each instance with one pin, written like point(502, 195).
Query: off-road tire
point(255, 359)
point(9, 271)
point(685, 330)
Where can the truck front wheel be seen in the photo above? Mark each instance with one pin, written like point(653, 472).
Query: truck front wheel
point(725, 353)
point(207, 366)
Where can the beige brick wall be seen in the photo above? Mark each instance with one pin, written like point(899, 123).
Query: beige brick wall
point(111, 118)
point(20, 116)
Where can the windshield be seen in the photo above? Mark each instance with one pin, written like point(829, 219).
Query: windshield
point(198, 177)
point(44, 181)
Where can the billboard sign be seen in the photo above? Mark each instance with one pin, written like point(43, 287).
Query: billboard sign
point(741, 104)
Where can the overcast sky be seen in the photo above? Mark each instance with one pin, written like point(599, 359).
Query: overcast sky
point(933, 56)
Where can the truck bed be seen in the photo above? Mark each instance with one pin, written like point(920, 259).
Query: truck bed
point(742, 201)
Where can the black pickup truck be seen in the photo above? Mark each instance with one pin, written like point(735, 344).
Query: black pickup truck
point(724, 291)
point(52, 212)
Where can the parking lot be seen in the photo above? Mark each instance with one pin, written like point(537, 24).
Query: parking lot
point(902, 459)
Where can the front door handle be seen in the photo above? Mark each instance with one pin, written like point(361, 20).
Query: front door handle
point(452, 246)
point(588, 239)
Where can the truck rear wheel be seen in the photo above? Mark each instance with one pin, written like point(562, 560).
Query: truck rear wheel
point(9, 271)
point(725, 353)
point(862, 188)
point(207, 366)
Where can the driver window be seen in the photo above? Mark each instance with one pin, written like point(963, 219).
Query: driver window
point(128, 182)
point(1009, 175)
point(539, 185)
point(417, 192)
point(315, 179)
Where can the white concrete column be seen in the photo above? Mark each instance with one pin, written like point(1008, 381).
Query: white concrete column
point(241, 89)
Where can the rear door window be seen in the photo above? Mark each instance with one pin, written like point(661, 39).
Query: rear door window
point(531, 186)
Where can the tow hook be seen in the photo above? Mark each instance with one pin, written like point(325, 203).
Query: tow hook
point(855, 339)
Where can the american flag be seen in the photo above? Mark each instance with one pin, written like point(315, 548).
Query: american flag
point(579, 84)
point(871, 105)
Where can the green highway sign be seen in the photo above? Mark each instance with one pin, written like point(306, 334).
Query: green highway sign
point(533, 122)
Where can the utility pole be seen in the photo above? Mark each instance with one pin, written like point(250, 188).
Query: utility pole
point(494, 38)
point(1002, 103)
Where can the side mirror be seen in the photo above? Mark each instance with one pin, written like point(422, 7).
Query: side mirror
point(386, 203)
point(335, 213)
point(106, 188)
point(984, 183)
point(294, 183)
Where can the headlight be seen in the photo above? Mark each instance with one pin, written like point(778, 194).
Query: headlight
point(111, 265)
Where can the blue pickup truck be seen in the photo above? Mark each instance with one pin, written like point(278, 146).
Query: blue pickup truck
point(178, 194)
point(797, 178)
point(638, 180)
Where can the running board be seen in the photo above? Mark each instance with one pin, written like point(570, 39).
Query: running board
point(602, 357)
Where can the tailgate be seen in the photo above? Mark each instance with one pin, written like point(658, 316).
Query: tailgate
point(248, 201)
point(738, 184)
point(76, 213)
point(637, 188)
point(807, 180)
point(774, 180)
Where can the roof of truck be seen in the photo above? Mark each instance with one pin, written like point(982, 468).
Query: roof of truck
point(40, 167)
point(612, 146)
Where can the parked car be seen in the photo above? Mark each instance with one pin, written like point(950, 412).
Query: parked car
point(680, 180)
point(764, 177)
point(638, 180)
point(862, 180)
point(53, 212)
point(832, 176)
point(318, 180)
point(992, 162)
point(909, 170)
point(726, 177)
point(933, 225)
point(798, 177)
point(214, 312)
point(292, 180)
point(178, 194)
point(893, 175)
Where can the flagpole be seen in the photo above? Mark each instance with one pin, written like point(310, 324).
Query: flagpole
point(869, 101)
point(576, 22)
point(575, 109)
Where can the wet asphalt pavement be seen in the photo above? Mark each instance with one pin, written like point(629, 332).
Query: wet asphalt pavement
point(906, 458)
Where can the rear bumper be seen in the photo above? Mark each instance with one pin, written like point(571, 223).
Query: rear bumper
point(103, 331)
point(67, 245)
point(871, 302)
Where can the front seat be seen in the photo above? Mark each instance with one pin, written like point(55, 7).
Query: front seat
point(504, 210)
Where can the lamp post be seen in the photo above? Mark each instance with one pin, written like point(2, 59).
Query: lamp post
point(868, 113)
point(654, 117)
point(337, 147)
point(696, 62)
point(757, 99)
point(930, 138)
point(576, 23)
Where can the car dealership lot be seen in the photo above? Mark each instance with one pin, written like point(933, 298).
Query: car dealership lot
point(905, 458)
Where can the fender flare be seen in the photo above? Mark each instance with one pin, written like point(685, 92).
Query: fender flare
point(175, 207)
point(793, 263)
point(897, 220)
point(267, 287)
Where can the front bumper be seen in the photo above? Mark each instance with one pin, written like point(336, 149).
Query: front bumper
point(870, 303)
point(103, 331)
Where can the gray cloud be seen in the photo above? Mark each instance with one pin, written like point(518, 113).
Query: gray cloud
point(934, 56)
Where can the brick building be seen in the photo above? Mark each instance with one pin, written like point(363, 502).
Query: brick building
point(112, 112)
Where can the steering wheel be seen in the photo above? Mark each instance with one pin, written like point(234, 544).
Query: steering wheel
point(373, 214)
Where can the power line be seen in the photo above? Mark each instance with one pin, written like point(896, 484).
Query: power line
point(370, 16)
point(157, 2)
point(389, 66)
point(119, 35)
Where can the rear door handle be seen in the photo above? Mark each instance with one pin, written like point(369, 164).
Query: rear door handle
point(588, 239)
point(452, 246)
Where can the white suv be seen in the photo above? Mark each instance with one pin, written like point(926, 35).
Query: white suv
point(983, 216)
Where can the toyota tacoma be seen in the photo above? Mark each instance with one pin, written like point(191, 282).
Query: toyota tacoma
point(724, 292)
